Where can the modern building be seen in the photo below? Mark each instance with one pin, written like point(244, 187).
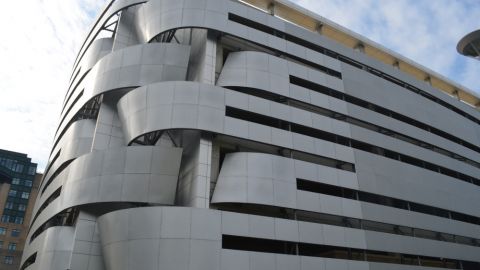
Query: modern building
point(18, 190)
point(469, 45)
point(224, 134)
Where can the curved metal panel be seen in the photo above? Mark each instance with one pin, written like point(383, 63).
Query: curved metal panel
point(161, 238)
point(54, 248)
point(270, 73)
point(163, 15)
point(95, 52)
point(262, 71)
point(257, 179)
point(192, 105)
point(74, 143)
point(257, 70)
point(158, 16)
point(169, 105)
point(126, 174)
point(265, 179)
point(129, 68)
point(112, 8)
point(170, 236)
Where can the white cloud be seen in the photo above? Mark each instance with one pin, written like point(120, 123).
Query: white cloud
point(38, 44)
point(423, 30)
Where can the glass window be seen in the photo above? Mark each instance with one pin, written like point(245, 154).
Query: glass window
point(22, 207)
point(8, 260)
point(28, 183)
point(9, 205)
point(12, 193)
point(32, 170)
point(1, 244)
point(19, 168)
point(3, 230)
point(15, 181)
point(9, 164)
point(18, 220)
point(15, 233)
point(12, 246)
point(25, 195)
point(5, 218)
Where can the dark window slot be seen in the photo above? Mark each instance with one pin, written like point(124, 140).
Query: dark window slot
point(384, 257)
point(314, 250)
point(347, 193)
point(70, 108)
point(47, 202)
point(88, 111)
point(280, 34)
point(50, 166)
point(442, 263)
point(67, 217)
point(72, 80)
point(325, 251)
point(342, 96)
point(56, 173)
point(470, 265)
point(322, 50)
point(319, 188)
point(277, 123)
point(321, 111)
point(342, 221)
point(72, 90)
point(29, 261)
point(258, 245)
point(323, 135)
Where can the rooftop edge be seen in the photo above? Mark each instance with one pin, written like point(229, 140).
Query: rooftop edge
point(293, 13)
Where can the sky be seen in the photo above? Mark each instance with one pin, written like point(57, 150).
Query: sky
point(39, 40)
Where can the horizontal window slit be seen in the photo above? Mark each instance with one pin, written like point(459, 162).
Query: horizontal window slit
point(334, 138)
point(47, 202)
point(276, 123)
point(337, 191)
point(332, 114)
point(342, 96)
point(326, 251)
point(269, 30)
point(343, 221)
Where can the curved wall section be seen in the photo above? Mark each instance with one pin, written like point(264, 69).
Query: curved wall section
point(128, 68)
point(135, 174)
point(97, 50)
point(268, 72)
point(260, 72)
point(76, 141)
point(258, 179)
point(192, 105)
point(142, 174)
point(185, 238)
point(172, 105)
point(207, 134)
point(53, 249)
point(113, 7)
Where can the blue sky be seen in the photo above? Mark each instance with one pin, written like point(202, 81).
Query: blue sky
point(37, 51)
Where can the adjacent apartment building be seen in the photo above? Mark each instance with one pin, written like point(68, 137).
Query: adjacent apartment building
point(18, 190)
point(224, 134)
